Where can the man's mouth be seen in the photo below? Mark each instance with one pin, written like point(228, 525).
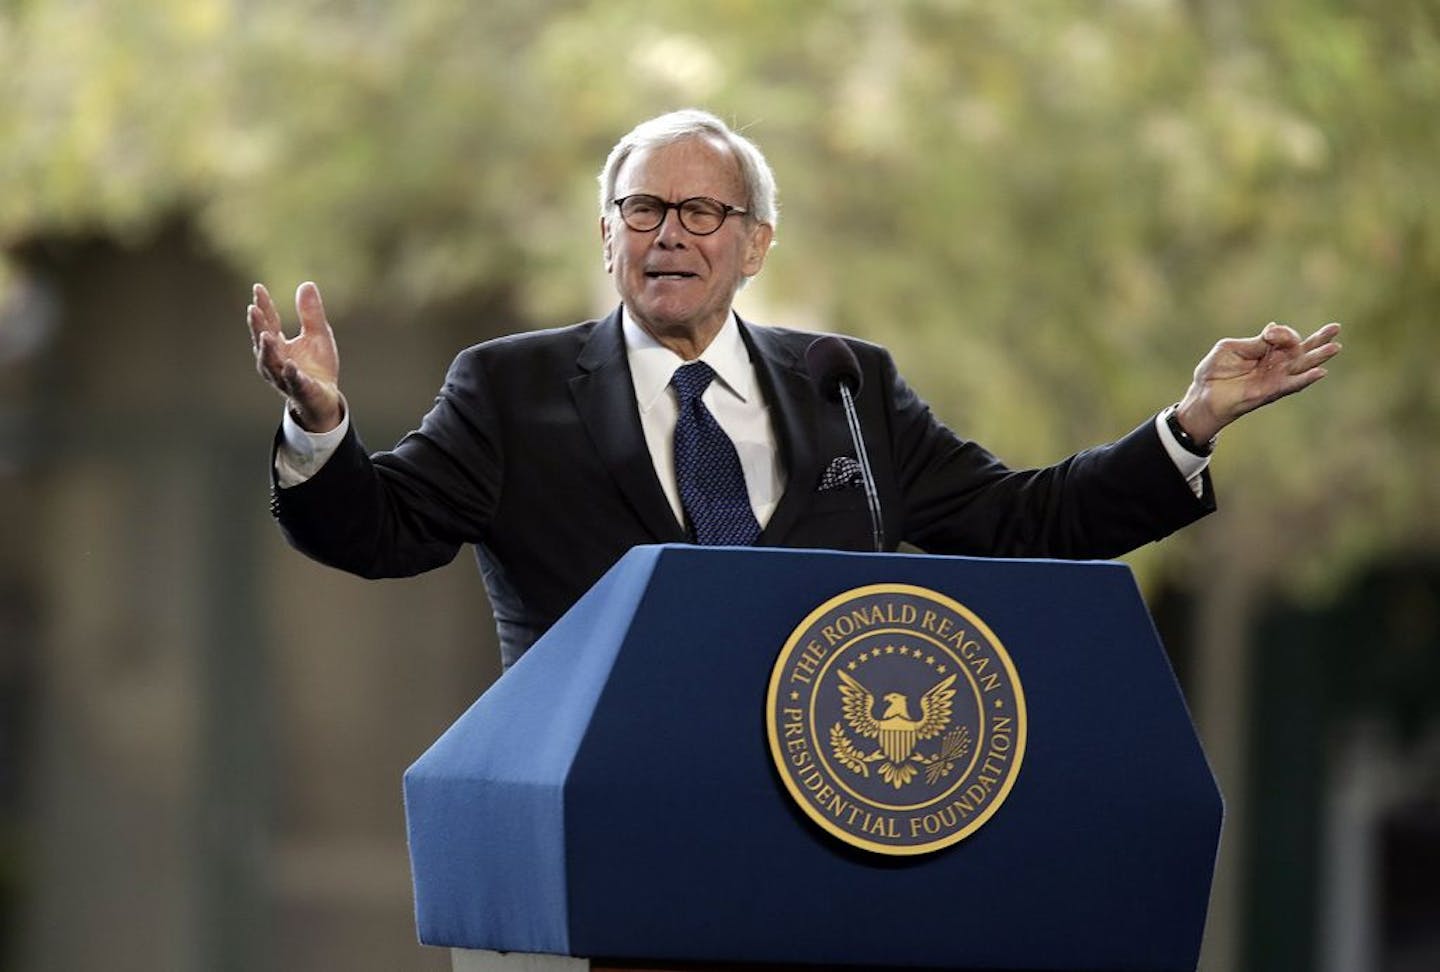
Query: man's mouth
point(669, 274)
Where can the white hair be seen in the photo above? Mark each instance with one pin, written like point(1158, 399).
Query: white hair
point(694, 123)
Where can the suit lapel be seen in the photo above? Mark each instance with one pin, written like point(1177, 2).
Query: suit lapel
point(605, 398)
point(788, 389)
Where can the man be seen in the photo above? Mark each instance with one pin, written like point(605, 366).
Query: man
point(555, 452)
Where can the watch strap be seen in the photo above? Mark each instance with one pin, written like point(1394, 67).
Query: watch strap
point(1186, 440)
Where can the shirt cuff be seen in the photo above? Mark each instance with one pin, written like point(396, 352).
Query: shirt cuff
point(1191, 466)
point(301, 454)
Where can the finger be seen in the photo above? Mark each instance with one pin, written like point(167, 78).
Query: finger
point(1326, 333)
point(1315, 357)
point(267, 308)
point(270, 359)
point(1280, 336)
point(1302, 381)
point(255, 319)
point(310, 309)
point(1253, 348)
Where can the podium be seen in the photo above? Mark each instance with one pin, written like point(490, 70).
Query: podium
point(615, 796)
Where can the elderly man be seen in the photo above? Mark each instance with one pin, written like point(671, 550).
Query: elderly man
point(671, 420)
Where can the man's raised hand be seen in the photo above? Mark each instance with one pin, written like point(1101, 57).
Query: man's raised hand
point(305, 369)
point(1241, 374)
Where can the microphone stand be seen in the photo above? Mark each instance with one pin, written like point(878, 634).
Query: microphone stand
point(852, 419)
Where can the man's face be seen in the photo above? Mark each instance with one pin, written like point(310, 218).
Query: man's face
point(674, 283)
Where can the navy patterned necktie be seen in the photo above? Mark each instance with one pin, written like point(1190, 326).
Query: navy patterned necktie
point(707, 467)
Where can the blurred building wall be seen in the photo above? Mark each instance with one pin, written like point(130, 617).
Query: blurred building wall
point(217, 727)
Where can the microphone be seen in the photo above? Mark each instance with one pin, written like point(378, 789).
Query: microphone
point(835, 371)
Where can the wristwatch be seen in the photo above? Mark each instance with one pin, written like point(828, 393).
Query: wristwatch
point(1186, 440)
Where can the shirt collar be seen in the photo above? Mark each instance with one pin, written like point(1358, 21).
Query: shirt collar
point(652, 364)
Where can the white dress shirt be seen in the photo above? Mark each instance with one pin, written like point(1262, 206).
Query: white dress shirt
point(733, 398)
point(1190, 465)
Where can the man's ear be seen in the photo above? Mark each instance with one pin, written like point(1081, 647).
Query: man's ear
point(757, 244)
point(607, 244)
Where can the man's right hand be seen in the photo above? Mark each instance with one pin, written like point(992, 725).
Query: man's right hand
point(305, 369)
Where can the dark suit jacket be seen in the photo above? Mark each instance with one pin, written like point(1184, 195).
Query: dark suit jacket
point(534, 453)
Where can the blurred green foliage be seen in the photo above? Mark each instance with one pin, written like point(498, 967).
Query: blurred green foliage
point(1049, 209)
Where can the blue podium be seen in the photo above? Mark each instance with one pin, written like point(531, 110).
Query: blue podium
point(616, 795)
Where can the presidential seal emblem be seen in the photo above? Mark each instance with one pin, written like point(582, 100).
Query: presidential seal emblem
point(896, 719)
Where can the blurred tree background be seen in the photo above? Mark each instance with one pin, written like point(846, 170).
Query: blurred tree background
point(1048, 211)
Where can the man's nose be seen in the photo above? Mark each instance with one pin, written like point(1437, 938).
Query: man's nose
point(670, 232)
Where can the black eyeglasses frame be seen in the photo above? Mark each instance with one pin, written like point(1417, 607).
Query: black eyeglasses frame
point(726, 211)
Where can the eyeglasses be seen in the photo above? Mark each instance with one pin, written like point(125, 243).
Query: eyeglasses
point(700, 215)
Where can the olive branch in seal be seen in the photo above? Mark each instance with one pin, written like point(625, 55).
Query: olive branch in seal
point(955, 745)
point(846, 754)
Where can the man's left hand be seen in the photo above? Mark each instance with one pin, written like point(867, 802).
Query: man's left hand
point(1241, 374)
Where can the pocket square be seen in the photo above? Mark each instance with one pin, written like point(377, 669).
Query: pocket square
point(842, 473)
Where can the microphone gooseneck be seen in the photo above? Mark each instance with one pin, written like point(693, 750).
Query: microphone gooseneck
point(834, 369)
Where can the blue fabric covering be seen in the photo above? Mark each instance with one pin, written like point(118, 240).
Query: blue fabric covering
point(613, 795)
point(485, 804)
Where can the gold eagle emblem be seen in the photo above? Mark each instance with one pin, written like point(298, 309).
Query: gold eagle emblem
point(896, 732)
